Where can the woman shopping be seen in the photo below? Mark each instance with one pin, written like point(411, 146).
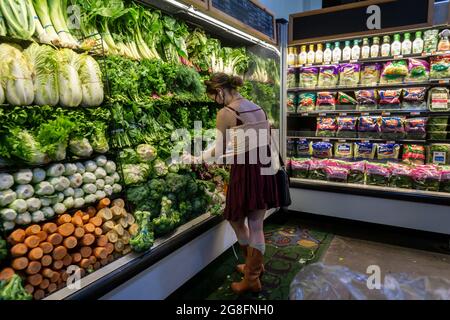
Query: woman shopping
point(253, 188)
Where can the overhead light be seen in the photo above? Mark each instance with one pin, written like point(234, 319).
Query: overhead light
point(200, 15)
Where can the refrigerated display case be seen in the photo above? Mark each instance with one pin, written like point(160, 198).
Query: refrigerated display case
point(138, 114)
point(367, 134)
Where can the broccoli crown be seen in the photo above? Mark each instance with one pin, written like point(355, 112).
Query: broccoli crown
point(157, 188)
point(137, 193)
point(13, 290)
point(145, 237)
point(176, 182)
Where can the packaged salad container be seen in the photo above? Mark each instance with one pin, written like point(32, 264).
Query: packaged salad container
point(445, 179)
point(377, 174)
point(300, 168)
point(357, 172)
point(349, 74)
point(426, 177)
point(317, 170)
point(336, 174)
point(309, 77)
point(328, 76)
point(401, 176)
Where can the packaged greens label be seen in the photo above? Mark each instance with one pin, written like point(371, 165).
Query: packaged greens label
point(439, 101)
point(439, 157)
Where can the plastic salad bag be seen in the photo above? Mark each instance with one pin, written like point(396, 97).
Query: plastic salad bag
point(377, 174)
point(303, 148)
point(328, 76)
point(400, 176)
point(440, 67)
point(307, 102)
point(392, 128)
point(343, 150)
point(326, 101)
point(430, 40)
point(418, 70)
point(309, 77)
point(413, 154)
point(414, 98)
point(365, 150)
point(426, 177)
point(349, 74)
point(370, 74)
point(445, 179)
point(438, 153)
point(345, 99)
point(394, 72)
point(322, 150)
point(390, 99)
point(357, 173)
point(388, 151)
point(346, 127)
point(291, 102)
point(367, 99)
point(326, 127)
point(416, 128)
point(336, 174)
point(292, 78)
point(317, 170)
point(318, 281)
point(369, 127)
point(300, 168)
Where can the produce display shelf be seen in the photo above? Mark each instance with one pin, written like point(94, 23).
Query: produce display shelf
point(408, 141)
point(107, 278)
point(439, 198)
point(387, 112)
point(379, 59)
point(375, 86)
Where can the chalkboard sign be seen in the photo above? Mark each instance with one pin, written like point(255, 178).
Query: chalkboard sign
point(248, 13)
point(362, 18)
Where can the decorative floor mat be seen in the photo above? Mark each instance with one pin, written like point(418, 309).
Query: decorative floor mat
point(289, 248)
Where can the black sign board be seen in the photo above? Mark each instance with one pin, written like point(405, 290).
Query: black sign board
point(248, 13)
point(364, 17)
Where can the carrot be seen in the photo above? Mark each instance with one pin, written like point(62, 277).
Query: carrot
point(58, 264)
point(86, 252)
point(79, 232)
point(97, 265)
point(33, 229)
point(33, 268)
point(50, 227)
point(6, 274)
point(46, 247)
point(59, 252)
point(107, 226)
point(55, 239)
point(32, 241)
point(96, 221)
point(77, 221)
point(19, 250)
point(104, 262)
point(111, 257)
point(85, 218)
point(117, 211)
point(35, 279)
point(133, 229)
point(119, 229)
point(109, 248)
point(70, 242)
point(20, 263)
point(42, 235)
point(82, 272)
point(119, 246)
point(29, 288)
point(35, 254)
point(63, 219)
point(55, 277)
point(85, 263)
point(112, 236)
point(39, 294)
point(61, 285)
point(105, 202)
point(67, 260)
point(17, 236)
point(92, 259)
point(76, 257)
point(44, 284)
point(118, 203)
point(66, 229)
point(89, 228)
point(52, 288)
point(87, 239)
point(46, 260)
point(79, 213)
point(102, 241)
point(91, 211)
point(105, 214)
point(100, 253)
point(126, 250)
point(48, 273)
point(98, 232)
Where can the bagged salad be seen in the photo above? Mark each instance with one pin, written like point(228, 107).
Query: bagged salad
point(291, 147)
point(439, 99)
point(413, 154)
point(304, 148)
point(369, 127)
point(292, 102)
point(430, 40)
point(416, 128)
point(367, 99)
point(437, 128)
point(336, 174)
point(307, 102)
point(343, 150)
point(445, 179)
point(392, 128)
point(418, 70)
point(440, 67)
point(438, 153)
point(388, 151)
point(400, 176)
point(326, 127)
point(390, 99)
point(377, 174)
point(326, 101)
point(309, 77)
point(346, 127)
point(300, 168)
point(370, 74)
point(365, 150)
point(345, 99)
point(292, 78)
point(328, 76)
point(414, 98)
point(322, 150)
point(394, 72)
point(349, 74)
point(426, 177)
point(317, 169)
point(357, 172)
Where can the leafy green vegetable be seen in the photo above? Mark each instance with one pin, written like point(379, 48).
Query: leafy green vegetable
point(144, 239)
point(13, 289)
point(3, 249)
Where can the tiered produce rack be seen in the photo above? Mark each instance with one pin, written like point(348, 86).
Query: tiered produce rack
point(176, 255)
point(411, 208)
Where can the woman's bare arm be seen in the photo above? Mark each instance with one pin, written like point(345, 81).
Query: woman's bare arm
point(224, 121)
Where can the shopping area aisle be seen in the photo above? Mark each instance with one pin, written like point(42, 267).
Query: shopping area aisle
point(300, 240)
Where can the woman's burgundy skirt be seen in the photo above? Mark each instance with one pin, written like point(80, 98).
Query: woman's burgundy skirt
point(249, 190)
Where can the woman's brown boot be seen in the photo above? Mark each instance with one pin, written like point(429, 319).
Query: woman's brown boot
point(240, 267)
point(252, 272)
